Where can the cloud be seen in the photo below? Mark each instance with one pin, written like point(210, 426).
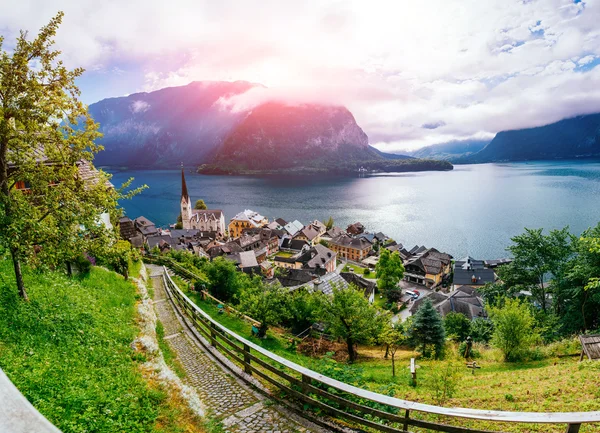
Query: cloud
point(397, 65)
point(139, 106)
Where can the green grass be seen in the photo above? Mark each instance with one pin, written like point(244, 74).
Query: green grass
point(552, 384)
point(284, 254)
point(68, 351)
point(359, 270)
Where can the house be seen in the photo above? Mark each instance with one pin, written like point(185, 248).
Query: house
point(293, 227)
point(145, 227)
point(245, 261)
point(332, 233)
point(317, 257)
point(367, 286)
point(199, 219)
point(355, 249)
point(319, 226)
point(355, 229)
point(497, 262)
point(249, 242)
point(426, 266)
point(245, 220)
point(289, 277)
point(472, 273)
point(224, 249)
point(309, 234)
point(380, 237)
point(293, 245)
point(270, 237)
point(465, 300)
point(126, 228)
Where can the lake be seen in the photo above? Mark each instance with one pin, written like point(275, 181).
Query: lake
point(474, 209)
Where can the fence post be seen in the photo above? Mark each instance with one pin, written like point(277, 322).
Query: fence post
point(247, 368)
point(413, 372)
point(573, 428)
point(213, 335)
point(406, 417)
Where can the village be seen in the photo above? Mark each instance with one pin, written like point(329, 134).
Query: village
point(319, 256)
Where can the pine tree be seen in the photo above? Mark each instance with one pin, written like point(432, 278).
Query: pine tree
point(427, 330)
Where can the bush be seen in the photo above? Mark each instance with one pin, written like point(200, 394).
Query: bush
point(482, 330)
point(457, 326)
point(83, 264)
point(443, 381)
point(513, 333)
point(367, 272)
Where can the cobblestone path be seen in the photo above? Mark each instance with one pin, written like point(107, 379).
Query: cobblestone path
point(228, 399)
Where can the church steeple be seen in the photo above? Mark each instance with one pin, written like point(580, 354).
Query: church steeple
point(186, 203)
point(184, 191)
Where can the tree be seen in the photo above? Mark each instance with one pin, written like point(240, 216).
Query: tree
point(200, 205)
point(350, 316)
point(393, 337)
point(513, 328)
point(389, 271)
point(427, 330)
point(303, 308)
point(224, 279)
point(329, 223)
point(179, 223)
point(535, 257)
point(46, 137)
point(482, 330)
point(267, 304)
point(457, 326)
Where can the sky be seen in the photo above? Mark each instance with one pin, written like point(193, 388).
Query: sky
point(412, 73)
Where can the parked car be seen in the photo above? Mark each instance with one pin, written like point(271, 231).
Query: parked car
point(413, 293)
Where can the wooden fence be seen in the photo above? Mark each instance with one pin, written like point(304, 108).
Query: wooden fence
point(353, 405)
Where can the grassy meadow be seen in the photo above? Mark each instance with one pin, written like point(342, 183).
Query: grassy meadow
point(68, 350)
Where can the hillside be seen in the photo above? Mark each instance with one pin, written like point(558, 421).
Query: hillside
point(578, 137)
point(451, 150)
point(68, 350)
point(165, 127)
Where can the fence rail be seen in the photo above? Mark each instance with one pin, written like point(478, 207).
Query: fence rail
point(346, 402)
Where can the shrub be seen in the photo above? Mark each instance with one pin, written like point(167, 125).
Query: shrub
point(457, 326)
point(513, 333)
point(443, 381)
point(482, 330)
point(367, 272)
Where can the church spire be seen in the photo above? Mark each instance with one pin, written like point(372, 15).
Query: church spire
point(184, 191)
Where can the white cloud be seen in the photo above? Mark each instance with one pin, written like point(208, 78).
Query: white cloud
point(139, 106)
point(472, 67)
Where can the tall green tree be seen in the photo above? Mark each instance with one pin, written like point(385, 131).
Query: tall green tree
point(514, 329)
point(578, 297)
point(350, 316)
point(389, 271)
point(49, 208)
point(200, 205)
point(427, 330)
point(267, 304)
point(537, 258)
point(225, 281)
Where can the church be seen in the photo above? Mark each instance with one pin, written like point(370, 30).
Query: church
point(212, 221)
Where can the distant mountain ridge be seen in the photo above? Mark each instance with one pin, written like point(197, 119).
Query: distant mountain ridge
point(451, 150)
point(577, 137)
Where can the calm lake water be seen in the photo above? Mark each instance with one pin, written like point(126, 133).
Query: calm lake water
point(474, 209)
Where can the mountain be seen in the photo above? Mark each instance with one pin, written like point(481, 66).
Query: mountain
point(168, 126)
point(451, 150)
point(578, 137)
point(188, 124)
point(276, 135)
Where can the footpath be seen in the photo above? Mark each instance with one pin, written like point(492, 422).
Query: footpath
point(227, 398)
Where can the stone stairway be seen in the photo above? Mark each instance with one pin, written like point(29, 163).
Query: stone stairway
point(228, 399)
